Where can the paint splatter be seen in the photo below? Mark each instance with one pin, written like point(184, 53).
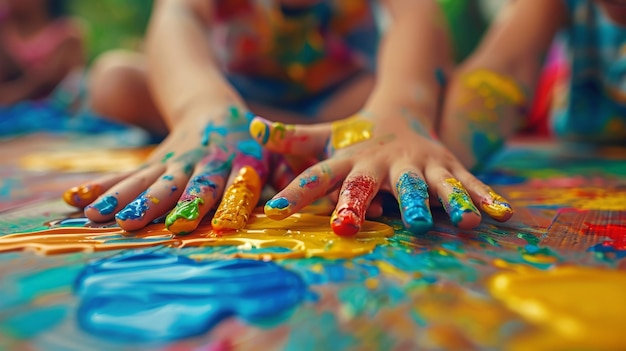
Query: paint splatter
point(82, 195)
point(496, 206)
point(134, 210)
point(350, 131)
point(277, 208)
point(183, 219)
point(154, 297)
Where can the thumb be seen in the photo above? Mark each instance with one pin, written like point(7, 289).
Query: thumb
point(291, 139)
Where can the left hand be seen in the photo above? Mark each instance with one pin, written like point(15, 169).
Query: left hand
point(371, 151)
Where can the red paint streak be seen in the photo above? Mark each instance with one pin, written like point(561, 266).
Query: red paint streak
point(354, 198)
point(615, 232)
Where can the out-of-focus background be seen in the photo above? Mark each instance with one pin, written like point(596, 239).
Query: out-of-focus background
point(110, 24)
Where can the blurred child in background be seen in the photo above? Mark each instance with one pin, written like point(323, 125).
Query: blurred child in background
point(40, 46)
point(209, 63)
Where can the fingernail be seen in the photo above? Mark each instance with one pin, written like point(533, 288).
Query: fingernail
point(106, 206)
point(260, 130)
point(134, 210)
point(238, 201)
point(496, 206)
point(459, 202)
point(82, 195)
point(183, 219)
point(345, 222)
point(277, 208)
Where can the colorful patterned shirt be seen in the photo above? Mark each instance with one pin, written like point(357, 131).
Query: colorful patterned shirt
point(292, 54)
point(590, 100)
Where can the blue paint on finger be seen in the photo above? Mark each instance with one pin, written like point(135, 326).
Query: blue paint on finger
point(413, 199)
point(106, 206)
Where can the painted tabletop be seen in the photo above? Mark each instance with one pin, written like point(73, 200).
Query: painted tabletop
point(550, 278)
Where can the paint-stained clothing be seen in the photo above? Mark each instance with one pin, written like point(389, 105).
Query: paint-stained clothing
point(590, 97)
point(293, 57)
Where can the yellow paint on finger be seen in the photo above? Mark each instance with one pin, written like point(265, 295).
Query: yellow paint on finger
point(238, 201)
point(81, 196)
point(573, 307)
point(350, 131)
point(497, 207)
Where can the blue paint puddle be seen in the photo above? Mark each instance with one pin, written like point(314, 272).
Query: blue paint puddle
point(159, 296)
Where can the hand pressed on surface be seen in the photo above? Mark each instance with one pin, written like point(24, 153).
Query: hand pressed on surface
point(372, 151)
point(187, 175)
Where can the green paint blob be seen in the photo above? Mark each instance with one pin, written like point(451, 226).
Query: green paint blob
point(530, 239)
point(167, 156)
point(189, 210)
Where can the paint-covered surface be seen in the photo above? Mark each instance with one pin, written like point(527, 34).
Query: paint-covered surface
point(551, 277)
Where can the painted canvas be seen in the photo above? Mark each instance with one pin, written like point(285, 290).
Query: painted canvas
point(550, 278)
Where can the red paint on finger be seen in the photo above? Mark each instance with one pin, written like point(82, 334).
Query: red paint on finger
point(353, 200)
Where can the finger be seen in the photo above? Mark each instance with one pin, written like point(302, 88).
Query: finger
point(313, 183)
point(238, 201)
point(290, 139)
point(121, 194)
point(250, 171)
point(454, 197)
point(82, 195)
point(412, 193)
point(488, 200)
point(202, 192)
point(356, 193)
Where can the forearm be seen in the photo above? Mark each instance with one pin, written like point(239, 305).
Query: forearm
point(415, 50)
point(183, 74)
point(488, 98)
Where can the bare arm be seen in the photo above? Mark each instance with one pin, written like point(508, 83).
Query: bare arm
point(414, 48)
point(183, 74)
point(491, 91)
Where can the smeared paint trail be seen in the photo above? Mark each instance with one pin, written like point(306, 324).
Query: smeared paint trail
point(153, 296)
point(238, 201)
point(134, 210)
point(459, 202)
point(413, 200)
point(309, 182)
point(497, 207)
point(106, 206)
point(302, 235)
point(353, 201)
point(167, 156)
point(184, 218)
point(82, 195)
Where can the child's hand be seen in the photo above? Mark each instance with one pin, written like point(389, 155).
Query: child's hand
point(369, 152)
point(187, 174)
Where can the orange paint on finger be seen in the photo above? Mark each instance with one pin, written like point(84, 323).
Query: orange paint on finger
point(83, 195)
point(238, 201)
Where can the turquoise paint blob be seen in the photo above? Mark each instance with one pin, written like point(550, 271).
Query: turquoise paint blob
point(279, 203)
point(29, 324)
point(160, 296)
point(167, 177)
point(250, 148)
point(106, 206)
point(134, 210)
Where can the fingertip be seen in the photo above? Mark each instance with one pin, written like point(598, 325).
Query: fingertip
point(83, 195)
point(185, 217)
point(468, 220)
point(260, 130)
point(345, 223)
point(497, 207)
point(277, 208)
